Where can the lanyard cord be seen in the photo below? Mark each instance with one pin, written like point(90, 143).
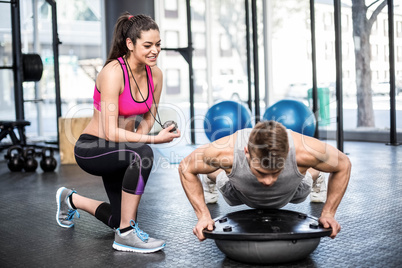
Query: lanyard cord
point(153, 98)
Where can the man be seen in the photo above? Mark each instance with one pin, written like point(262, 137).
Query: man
point(267, 166)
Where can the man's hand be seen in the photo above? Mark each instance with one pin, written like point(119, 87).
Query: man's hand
point(202, 224)
point(328, 220)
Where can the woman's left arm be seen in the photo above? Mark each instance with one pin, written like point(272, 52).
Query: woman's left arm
point(148, 120)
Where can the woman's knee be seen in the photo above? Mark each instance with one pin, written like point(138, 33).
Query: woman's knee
point(147, 152)
point(146, 156)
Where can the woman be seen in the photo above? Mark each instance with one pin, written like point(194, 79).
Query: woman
point(129, 85)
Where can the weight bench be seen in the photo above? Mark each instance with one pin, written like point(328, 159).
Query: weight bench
point(7, 128)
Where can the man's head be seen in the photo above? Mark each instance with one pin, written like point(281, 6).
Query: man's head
point(267, 150)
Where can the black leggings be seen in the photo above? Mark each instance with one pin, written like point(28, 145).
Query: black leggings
point(123, 166)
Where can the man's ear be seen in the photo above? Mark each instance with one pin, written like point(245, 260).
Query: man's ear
point(247, 153)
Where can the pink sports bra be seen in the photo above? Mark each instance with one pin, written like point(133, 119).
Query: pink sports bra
point(128, 106)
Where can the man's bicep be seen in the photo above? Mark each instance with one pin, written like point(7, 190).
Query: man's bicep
point(201, 161)
point(330, 161)
point(317, 154)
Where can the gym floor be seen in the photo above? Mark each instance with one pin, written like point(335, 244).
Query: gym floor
point(370, 214)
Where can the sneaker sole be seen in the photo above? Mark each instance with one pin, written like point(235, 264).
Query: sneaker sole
point(211, 198)
point(121, 247)
point(317, 201)
point(58, 201)
point(314, 199)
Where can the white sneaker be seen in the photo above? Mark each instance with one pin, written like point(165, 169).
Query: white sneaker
point(209, 187)
point(319, 190)
point(136, 241)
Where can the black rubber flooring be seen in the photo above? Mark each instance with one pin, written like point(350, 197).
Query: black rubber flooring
point(370, 214)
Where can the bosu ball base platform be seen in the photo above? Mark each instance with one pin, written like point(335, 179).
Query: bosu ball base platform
point(267, 236)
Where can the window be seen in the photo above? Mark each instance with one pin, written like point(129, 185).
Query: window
point(346, 74)
point(328, 21)
point(200, 80)
point(171, 41)
point(226, 72)
point(172, 81)
point(375, 75)
point(198, 10)
point(309, 51)
point(199, 43)
point(374, 28)
point(346, 51)
point(80, 58)
point(399, 28)
point(399, 53)
point(374, 52)
point(345, 22)
point(386, 53)
point(225, 47)
point(171, 9)
point(329, 50)
point(385, 25)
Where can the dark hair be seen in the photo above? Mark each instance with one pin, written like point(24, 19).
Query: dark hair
point(268, 142)
point(128, 26)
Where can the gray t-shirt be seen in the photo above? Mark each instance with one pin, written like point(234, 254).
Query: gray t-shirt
point(254, 194)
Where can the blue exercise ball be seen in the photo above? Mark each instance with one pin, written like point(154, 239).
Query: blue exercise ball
point(225, 118)
point(294, 115)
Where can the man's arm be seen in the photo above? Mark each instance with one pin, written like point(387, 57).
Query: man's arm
point(188, 169)
point(337, 184)
point(203, 160)
point(321, 156)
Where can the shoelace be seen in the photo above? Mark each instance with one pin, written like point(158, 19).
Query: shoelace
point(71, 214)
point(211, 185)
point(317, 187)
point(141, 234)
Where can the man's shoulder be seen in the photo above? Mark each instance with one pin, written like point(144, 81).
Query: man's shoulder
point(221, 149)
point(242, 136)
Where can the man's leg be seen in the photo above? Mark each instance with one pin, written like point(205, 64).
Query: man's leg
point(314, 173)
point(319, 188)
point(208, 182)
point(212, 176)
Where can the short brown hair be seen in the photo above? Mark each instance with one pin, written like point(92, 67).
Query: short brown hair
point(268, 142)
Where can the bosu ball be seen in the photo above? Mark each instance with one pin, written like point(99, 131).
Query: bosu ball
point(267, 236)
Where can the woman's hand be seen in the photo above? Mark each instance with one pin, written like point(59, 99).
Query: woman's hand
point(165, 135)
